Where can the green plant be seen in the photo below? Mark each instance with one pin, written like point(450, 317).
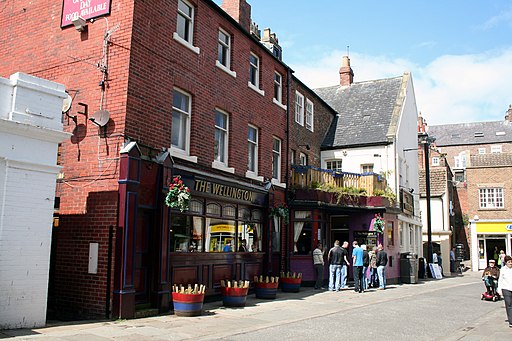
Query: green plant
point(178, 195)
point(378, 224)
point(280, 211)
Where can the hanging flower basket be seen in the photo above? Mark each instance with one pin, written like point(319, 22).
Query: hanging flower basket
point(378, 224)
point(280, 211)
point(178, 195)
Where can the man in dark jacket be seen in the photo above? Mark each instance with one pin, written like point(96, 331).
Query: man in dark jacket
point(335, 259)
point(366, 263)
point(382, 261)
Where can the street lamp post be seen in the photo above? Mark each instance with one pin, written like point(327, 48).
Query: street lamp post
point(426, 147)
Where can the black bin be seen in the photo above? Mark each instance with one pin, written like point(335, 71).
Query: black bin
point(421, 267)
point(409, 268)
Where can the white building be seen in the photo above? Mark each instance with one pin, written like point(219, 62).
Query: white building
point(376, 131)
point(30, 130)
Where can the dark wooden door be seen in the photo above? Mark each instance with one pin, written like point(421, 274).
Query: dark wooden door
point(143, 264)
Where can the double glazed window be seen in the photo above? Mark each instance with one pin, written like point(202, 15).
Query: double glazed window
point(276, 158)
point(309, 115)
point(181, 111)
point(278, 87)
point(299, 108)
point(252, 140)
point(334, 165)
point(185, 23)
point(221, 137)
point(491, 197)
point(255, 70)
point(224, 50)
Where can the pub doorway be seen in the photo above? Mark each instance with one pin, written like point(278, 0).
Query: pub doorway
point(144, 258)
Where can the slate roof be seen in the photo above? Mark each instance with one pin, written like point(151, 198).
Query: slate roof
point(365, 112)
point(471, 133)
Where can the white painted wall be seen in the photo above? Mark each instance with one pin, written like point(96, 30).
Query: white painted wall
point(30, 130)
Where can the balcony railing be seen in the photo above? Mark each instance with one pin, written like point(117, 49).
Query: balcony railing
point(308, 177)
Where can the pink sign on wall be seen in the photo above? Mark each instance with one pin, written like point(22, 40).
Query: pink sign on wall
point(85, 9)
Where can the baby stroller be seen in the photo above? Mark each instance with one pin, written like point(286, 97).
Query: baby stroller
point(491, 284)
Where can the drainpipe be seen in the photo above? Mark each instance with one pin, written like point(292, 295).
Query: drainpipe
point(109, 271)
point(287, 177)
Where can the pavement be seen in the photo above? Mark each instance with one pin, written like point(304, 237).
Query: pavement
point(218, 322)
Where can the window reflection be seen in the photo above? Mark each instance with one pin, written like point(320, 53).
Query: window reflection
point(220, 235)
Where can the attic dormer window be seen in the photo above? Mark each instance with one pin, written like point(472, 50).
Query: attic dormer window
point(479, 134)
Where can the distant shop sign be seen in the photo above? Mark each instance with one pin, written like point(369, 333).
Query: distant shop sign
point(86, 9)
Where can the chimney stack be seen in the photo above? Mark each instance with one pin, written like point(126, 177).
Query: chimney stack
point(508, 116)
point(346, 73)
point(239, 10)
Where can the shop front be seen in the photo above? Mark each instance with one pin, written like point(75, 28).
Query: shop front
point(488, 238)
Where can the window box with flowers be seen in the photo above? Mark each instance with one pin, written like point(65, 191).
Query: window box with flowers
point(178, 195)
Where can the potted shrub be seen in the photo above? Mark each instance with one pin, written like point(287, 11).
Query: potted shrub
point(291, 282)
point(234, 294)
point(188, 301)
point(266, 287)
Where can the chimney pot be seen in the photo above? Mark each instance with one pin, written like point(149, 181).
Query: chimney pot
point(508, 115)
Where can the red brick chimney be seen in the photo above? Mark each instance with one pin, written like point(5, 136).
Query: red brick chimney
point(346, 73)
point(508, 116)
point(239, 10)
point(422, 124)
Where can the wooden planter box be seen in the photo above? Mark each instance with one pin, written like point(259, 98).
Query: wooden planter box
point(266, 290)
point(289, 284)
point(187, 304)
point(234, 297)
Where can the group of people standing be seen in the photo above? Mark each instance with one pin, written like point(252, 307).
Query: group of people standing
point(369, 267)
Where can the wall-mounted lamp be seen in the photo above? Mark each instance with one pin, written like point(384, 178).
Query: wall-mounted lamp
point(80, 24)
point(267, 185)
point(307, 146)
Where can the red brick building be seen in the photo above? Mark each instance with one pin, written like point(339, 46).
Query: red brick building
point(161, 89)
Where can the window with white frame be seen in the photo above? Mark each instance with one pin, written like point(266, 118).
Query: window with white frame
point(401, 233)
point(334, 165)
point(276, 158)
point(221, 137)
point(224, 49)
point(491, 197)
point(299, 108)
point(309, 115)
point(303, 159)
point(185, 25)
point(181, 112)
point(278, 87)
point(367, 168)
point(252, 139)
point(255, 70)
point(292, 157)
point(481, 150)
point(460, 160)
point(496, 149)
point(435, 161)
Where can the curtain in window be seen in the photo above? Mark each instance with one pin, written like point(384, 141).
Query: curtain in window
point(298, 227)
point(276, 234)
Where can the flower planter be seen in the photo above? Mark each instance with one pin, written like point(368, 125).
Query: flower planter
point(266, 290)
point(187, 304)
point(234, 297)
point(290, 284)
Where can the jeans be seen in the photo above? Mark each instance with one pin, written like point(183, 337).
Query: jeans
point(343, 276)
point(319, 269)
point(381, 271)
point(507, 296)
point(374, 279)
point(358, 278)
point(365, 279)
point(334, 277)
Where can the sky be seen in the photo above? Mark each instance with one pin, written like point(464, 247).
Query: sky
point(459, 52)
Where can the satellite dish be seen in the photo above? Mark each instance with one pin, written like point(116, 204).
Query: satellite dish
point(66, 103)
point(100, 117)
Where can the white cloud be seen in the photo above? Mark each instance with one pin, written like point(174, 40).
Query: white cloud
point(504, 16)
point(450, 89)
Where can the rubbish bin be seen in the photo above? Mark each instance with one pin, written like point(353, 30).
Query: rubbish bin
point(409, 268)
point(421, 267)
